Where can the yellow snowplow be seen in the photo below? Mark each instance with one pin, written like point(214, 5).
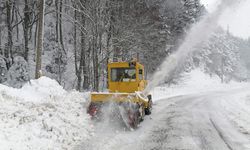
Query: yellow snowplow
point(126, 81)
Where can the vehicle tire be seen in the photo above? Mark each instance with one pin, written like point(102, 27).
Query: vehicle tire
point(134, 121)
point(148, 110)
point(142, 114)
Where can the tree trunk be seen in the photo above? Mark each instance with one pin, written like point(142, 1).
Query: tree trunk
point(17, 29)
point(35, 40)
point(114, 16)
point(1, 50)
point(83, 55)
point(109, 37)
point(82, 67)
point(107, 58)
point(1, 28)
point(57, 20)
point(83, 51)
point(95, 51)
point(60, 26)
point(95, 64)
point(40, 40)
point(26, 30)
point(8, 54)
point(75, 48)
point(82, 59)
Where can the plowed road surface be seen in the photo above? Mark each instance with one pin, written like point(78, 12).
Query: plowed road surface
point(217, 120)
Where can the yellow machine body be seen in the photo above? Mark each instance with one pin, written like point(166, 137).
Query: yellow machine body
point(126, 81)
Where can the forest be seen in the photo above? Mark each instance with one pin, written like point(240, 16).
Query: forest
point(82, 36)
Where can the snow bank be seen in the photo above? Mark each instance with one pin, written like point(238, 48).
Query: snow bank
point(192, 83)
point(42, 115)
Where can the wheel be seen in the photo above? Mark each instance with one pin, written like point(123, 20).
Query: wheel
point(133, 119)
point(141, 113)
point(148, 110)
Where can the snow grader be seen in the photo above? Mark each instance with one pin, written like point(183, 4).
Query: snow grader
point(126, 82)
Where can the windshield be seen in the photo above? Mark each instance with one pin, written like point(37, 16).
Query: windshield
point(123, 74)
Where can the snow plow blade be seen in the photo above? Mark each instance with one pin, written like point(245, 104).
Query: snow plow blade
point(131, 107)
point(119, 97)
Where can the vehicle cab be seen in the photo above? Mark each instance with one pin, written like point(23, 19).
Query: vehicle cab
point(126, 77)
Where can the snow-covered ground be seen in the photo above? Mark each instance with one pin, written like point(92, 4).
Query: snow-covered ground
point(42, 115)
point(195, 82)
point(199, 113)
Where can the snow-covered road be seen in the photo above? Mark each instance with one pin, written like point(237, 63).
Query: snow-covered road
point(201, 113)
point(218, 120)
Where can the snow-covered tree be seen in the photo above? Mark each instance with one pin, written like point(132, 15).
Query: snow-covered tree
point(87, 33)
point(18, 73)
point(220, 56)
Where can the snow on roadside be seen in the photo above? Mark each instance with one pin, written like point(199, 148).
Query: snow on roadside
point(42, 115)
point(234, 102)
point(238, 110)
point(192, 83)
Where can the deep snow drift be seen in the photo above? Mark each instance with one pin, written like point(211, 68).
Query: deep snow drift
point(42, 115)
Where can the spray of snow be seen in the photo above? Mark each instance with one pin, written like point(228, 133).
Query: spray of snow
point(200, 32)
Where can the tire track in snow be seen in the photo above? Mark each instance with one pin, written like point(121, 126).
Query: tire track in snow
point(221, 135)
point(189, 122)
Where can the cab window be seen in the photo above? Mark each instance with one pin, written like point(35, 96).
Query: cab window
point(123, 74)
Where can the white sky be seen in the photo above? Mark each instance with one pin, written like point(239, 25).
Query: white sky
point(238, 19)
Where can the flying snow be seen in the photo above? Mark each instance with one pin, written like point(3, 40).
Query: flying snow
point(200, 32)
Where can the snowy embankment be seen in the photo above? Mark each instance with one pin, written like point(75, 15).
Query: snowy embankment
point(42, 115)
point(195, 82)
